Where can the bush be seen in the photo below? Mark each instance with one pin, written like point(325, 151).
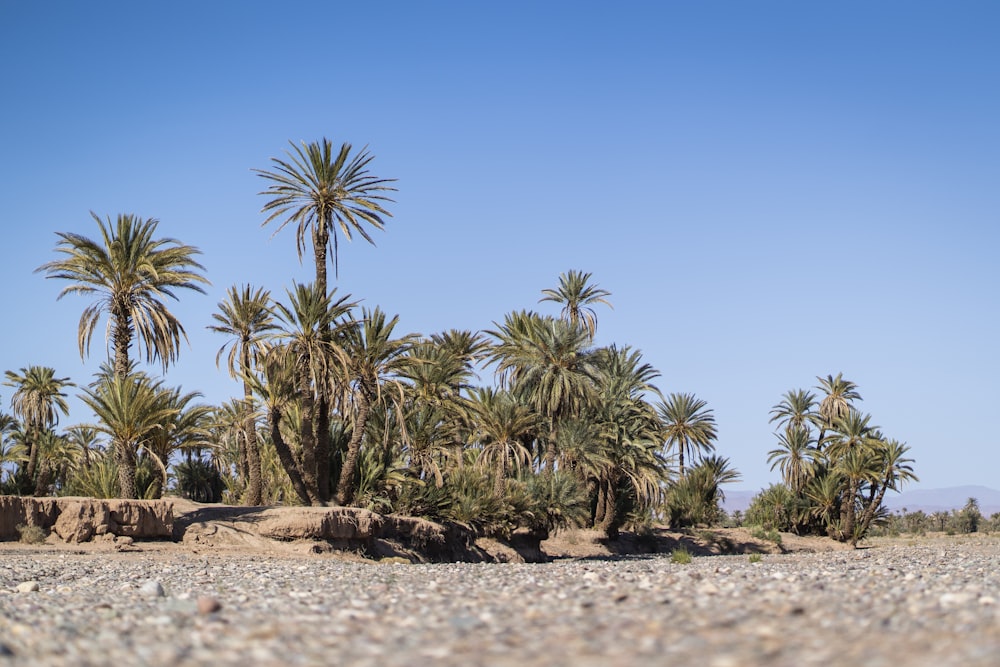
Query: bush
point(199, 481)
point(31, 534)
point(768, 534)
point(680, 555)
point(774, 507)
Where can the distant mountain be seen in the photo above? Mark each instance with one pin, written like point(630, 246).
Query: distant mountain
point(927, 500)
point(737, 499)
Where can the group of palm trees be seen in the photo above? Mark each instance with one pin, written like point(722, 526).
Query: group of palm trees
point(836, 466)
point(337, 406)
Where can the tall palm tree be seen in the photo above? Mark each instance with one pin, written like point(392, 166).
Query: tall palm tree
point(305, 347)
point(246, 317)
point(628, 428)
point(688, 425)
point(837, 402)
point(578, 296)
point(796, 409)
point(796, 457)
point(895, 470)
point(37, 401)
point(548, 364)
point(128, 410)
point(374, 363)
point(323, 191)
point(853, 430)
point(130, 272)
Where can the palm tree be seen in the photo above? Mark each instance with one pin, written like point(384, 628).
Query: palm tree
point(130, 272)
point(186, 429)
point(547, 364)
point(37, 401)
point(129, 409)
point(577, 296)
point(853, 430)
point(246, 316)
point(895, 469)
point(322, 191)
point(307, 349)
point(688, 424)
point(839, 393)
point(628, 429)
point(502, 423)
point(796, 409)
point(796, 457)
point(374, 362)
point(12, 450)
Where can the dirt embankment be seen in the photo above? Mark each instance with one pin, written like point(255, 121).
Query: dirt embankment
point(345, 532)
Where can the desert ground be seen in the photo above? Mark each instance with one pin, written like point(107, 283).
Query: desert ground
point(224, 595)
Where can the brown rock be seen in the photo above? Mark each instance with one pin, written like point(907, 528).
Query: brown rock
point(208, 605)
point(19, 511)
point(81, 520)
point(320, 523)
point(141, 518)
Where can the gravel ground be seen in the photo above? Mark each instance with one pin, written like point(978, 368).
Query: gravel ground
point(893, 605)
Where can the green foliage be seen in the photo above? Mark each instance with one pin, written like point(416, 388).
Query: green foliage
point(694, 499)
point(98, 480)
point(769, 534)
point(680, 555)
point(969, 517)
point(199, 481)
point(755, 558)
point(774, 507)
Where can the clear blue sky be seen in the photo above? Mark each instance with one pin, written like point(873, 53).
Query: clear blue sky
point(772, 191)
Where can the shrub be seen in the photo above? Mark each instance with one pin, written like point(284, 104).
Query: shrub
point(774, 507)
point(755, 558)
point(31, 534)
point(680, 555)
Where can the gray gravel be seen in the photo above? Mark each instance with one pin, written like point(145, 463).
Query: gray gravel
point(916, 605)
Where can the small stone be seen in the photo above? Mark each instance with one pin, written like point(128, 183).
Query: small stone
point(27, 587)
point(208, 605)
point(152, 589)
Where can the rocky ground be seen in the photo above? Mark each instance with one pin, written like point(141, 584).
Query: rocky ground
point(927, 602)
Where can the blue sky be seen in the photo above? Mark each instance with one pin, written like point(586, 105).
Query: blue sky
point(772, 191)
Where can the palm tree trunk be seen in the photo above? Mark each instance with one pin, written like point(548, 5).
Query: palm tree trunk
point(307, 435)
point(254, 483)
point(345, 487)
point(122, 339)
point(44, 479)
point(323, 445)
point(286, 457)
point(848, 514)
point(550, 450)
point(869, 514)
point(125, 458)
point(33, 450)
point(321, 237)
point(610, 523)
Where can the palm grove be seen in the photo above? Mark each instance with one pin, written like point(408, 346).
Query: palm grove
point(338, 406)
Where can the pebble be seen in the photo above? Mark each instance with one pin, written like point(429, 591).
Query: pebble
point(27, 587)
point(823, 609)
point(152, 589)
